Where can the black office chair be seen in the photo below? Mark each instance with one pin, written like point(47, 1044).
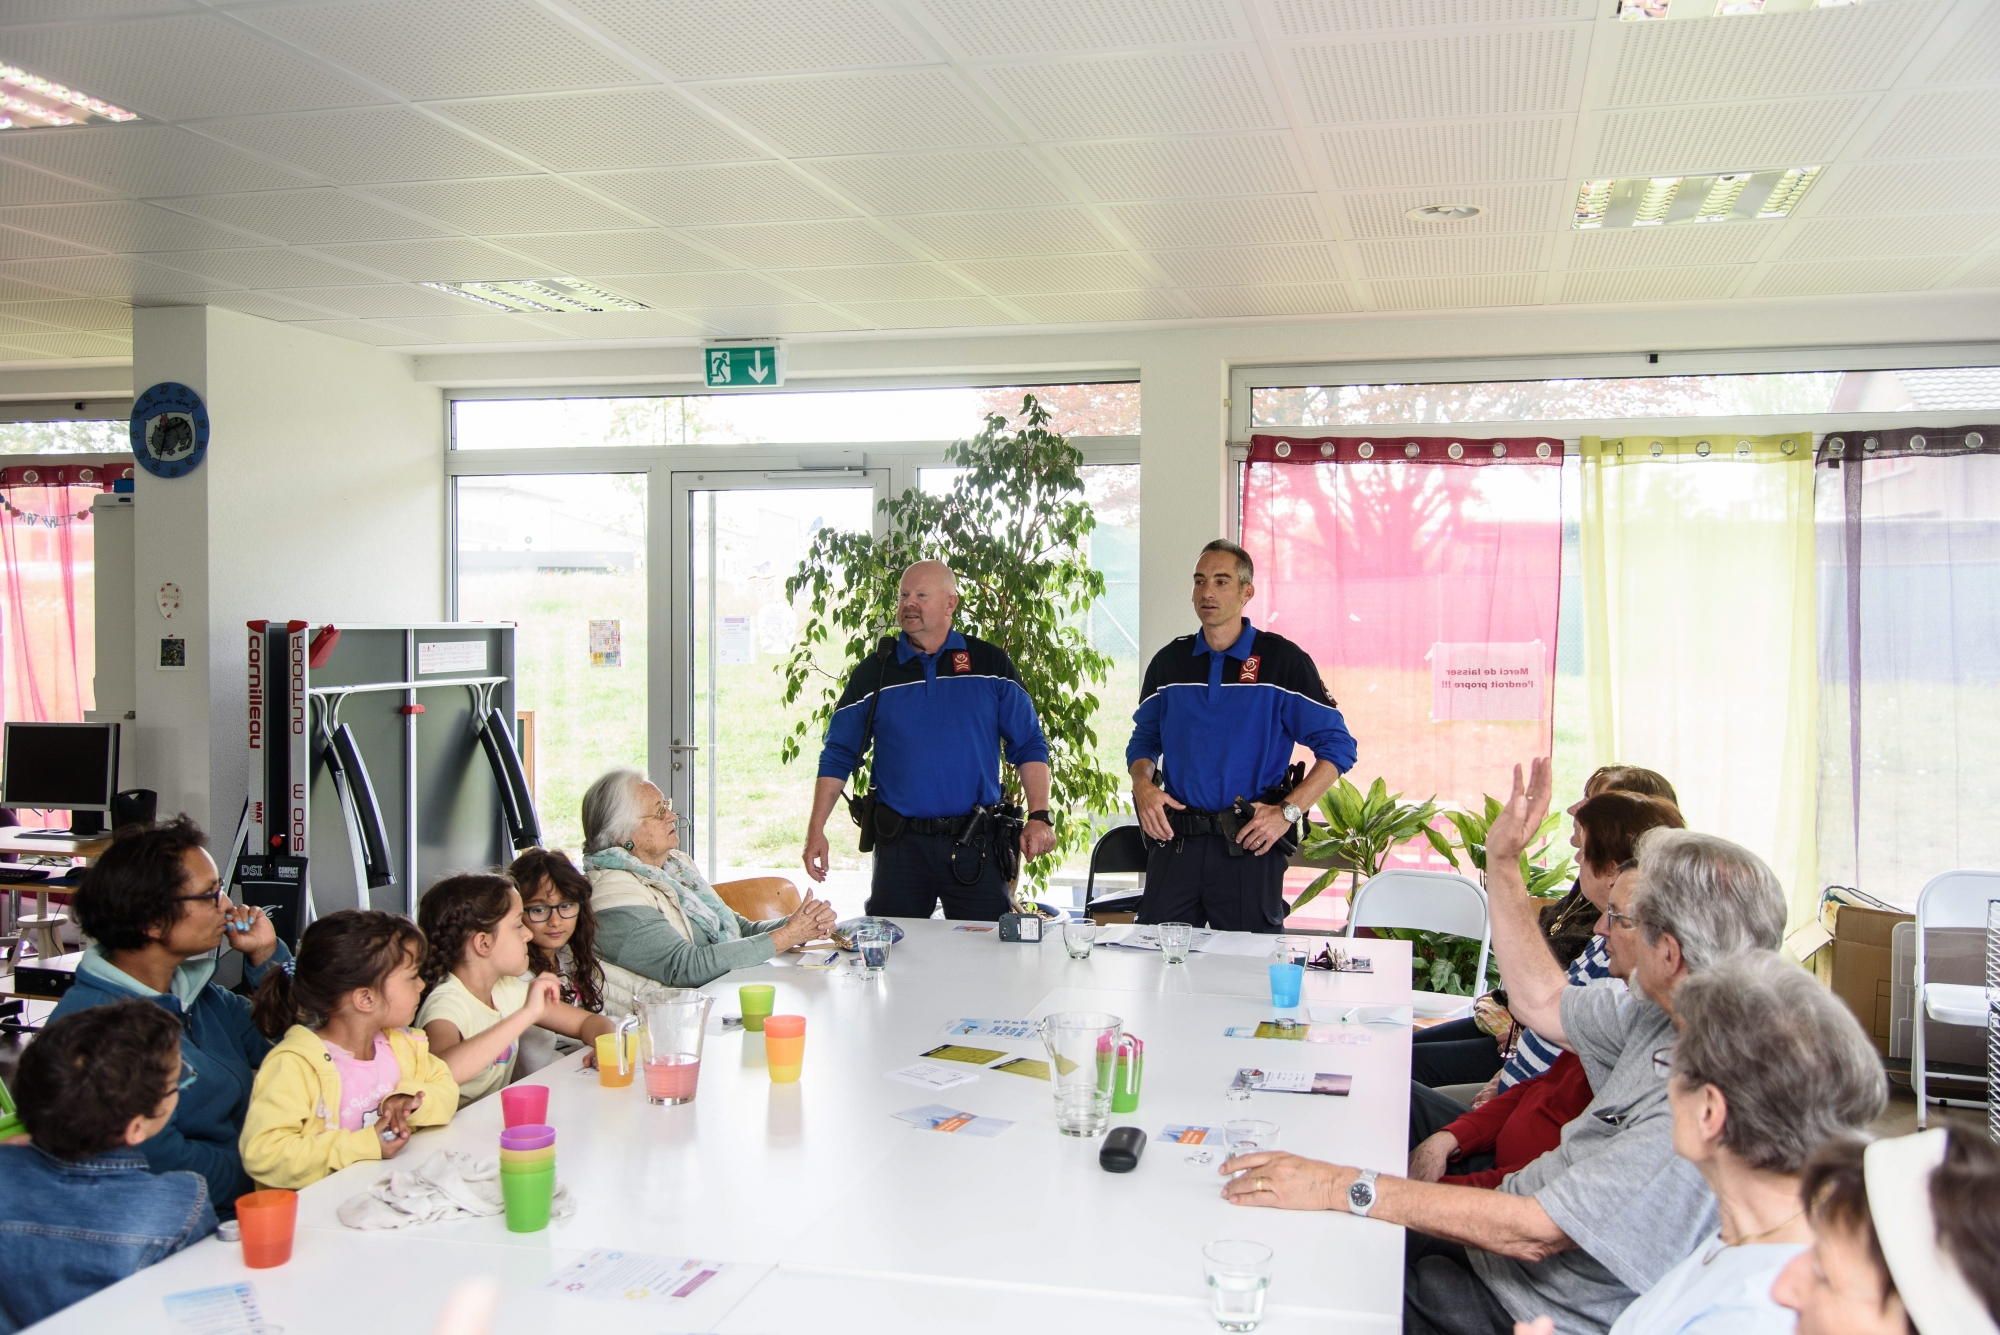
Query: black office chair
point(1121, 848)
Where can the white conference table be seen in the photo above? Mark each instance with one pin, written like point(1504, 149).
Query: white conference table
point(824, 1210)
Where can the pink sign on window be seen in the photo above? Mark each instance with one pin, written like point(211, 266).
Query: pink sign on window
point(1487, 681)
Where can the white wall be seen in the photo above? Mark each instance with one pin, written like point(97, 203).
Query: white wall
point(322, 499)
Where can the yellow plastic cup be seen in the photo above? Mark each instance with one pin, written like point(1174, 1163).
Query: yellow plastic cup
point(785, 1047)
point(607, 1060)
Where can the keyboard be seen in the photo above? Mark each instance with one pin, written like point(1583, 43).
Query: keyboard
point(21, 875)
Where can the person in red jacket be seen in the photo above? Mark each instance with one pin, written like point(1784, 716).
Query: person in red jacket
point(1507, 1132)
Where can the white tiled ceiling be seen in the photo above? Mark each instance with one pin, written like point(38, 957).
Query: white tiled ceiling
point(808, 166)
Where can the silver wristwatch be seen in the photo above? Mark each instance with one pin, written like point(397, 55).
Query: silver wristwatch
point(1291, 813)
point(1361, 1193)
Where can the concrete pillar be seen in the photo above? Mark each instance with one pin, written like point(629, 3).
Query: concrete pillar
point(1183, 479)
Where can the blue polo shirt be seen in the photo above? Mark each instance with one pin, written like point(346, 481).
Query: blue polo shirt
point(938, 726)
point(1222, 725)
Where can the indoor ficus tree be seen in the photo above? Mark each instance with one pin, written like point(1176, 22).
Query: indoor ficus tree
point(1014, 527)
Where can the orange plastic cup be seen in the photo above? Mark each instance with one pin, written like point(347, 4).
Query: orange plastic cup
point(267, 1219)
point(607, 1060)
point(784, 1047)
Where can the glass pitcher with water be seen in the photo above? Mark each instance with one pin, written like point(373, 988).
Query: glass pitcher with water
point(1083, 1049)
point(671, 1022)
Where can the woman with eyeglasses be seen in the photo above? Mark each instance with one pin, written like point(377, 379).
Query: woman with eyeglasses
point(157, 914)
point(555, 900)
point(658, 919)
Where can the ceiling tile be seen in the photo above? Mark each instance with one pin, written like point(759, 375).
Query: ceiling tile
point(1518, 208)
point(43, 11)
point(1258, 164)
point(107, 276)
point(581, 254)
point(1251, 266)
point(1661, 247)
point(510, 204)
point(1099, 307)
point(703, 290)
point(1913, 187)
point(874, 282)
point(265, 306)
point(991, 178)
point(639, 127)
point(756, 321)
point(1219, 222)
point(1056, 273)
point(1933, 234)
point(1436, 76)
point(23, 246)
point(462, 49)
point(15, 288)
point(978, 236)
point(946, 314)
point(1692, 282)
point(381, 335)
point(631, 324)
point(1975, 56)
point(269, 266)
point(738, 192)
point(1142, 95)
point(181, 67)
point(1848, 47)
point(805, 244)
point(85, 314)
point(1737, 137)
point(1465, 153)
point(445, 260)
point(1933, 125)
point(1416, 294)
point(982, 29)
point(487, 328)
point(1984, 274)
point(395, 144)
point(142, 160)
point(21, 185)
point(705, 39)
point(376, 303)
point(72, 346)
point(1313, 18)
point(302, 217)
point(1289, 299)
point(1830, 276)
point(861, 113)
point(121, 226)
point(1456, 255)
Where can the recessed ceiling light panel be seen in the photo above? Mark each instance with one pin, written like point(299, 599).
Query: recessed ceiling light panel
point(1642, 10)
point(542, 296)
point(1665, 201)
point(1444, 212)
point(28, 101)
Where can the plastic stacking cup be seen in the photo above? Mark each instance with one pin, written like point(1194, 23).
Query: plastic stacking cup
point(527, 1137)
point(528, 1159)
point(524, 1105)
point(608, 1074)
point(1286, 980)
point(527, 1167)
point(528, 1197)
point(267, 1219)
point(757, 1000)
point(785, 1047)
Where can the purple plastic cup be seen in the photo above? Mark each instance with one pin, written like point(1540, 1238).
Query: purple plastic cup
point(527, 1137)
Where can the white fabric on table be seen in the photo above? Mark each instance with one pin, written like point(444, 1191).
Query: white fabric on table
point(451, 1184)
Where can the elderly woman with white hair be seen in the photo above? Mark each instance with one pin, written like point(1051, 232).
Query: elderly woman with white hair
point(658, 919)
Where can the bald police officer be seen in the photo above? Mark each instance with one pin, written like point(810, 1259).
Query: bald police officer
point(1219, 714)
point(937, 705)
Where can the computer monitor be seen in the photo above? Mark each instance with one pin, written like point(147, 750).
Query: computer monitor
point(61, 766)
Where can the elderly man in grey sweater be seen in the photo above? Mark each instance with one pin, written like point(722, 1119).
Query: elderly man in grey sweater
point(1586, 1228)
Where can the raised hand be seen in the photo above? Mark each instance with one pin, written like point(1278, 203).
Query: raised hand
point(1521, 818)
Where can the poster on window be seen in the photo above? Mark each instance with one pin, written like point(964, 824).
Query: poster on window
point(1487, 682)
point(737, 646)
point(606, 644)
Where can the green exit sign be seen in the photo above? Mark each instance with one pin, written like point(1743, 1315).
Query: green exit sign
point(744, 365)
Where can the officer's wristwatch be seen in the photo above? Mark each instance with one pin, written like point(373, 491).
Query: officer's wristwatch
point(1291, 813)
point(1042, 816)
point(1361, 1193)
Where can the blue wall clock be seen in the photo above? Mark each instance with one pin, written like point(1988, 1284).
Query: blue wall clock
point(169, 430)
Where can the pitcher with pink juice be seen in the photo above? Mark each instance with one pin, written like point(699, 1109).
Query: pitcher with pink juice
point(671, 1022)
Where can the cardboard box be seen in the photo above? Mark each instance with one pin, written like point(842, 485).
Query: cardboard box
point(1861, 965)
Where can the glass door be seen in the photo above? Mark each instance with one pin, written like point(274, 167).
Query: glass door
point(739, 537)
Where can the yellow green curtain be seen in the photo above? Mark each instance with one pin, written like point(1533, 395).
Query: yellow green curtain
point(1699, 645)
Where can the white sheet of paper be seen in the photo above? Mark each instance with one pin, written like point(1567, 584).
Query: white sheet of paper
point(228, 1309)
point(633, 1277)
point(1359, 1014)
point(929, 1075)
point(969, 1027)
point(1250, 945)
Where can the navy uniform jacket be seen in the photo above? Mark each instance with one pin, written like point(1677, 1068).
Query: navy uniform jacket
point(1221, 726)
point(938, 727)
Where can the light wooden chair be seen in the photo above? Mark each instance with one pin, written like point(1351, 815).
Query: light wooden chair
point(759, 898)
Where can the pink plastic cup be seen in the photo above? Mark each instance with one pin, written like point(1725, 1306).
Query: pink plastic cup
point(524, 1105)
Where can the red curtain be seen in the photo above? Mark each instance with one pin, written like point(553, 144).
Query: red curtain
point(47, 625)
point(1424, 577)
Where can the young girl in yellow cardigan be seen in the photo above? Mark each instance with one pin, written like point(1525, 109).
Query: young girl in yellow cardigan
point(349, 1078)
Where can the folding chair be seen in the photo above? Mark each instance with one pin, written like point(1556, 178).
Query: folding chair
point(1955, 899)
point(1122, 848)
point(1427, 901)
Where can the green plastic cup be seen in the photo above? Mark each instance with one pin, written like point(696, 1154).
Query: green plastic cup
point(529, 1197)
point(757, 1000)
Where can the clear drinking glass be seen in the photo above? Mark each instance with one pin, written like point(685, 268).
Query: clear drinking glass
point(1079, 937)
point(1238, 1272)
point(1083, 1048)
point(1249, 1136)
point(1290, 950)
point(873, 942)
point(1176, 940)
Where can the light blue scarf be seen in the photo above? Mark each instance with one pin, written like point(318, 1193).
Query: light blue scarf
point(704, 908)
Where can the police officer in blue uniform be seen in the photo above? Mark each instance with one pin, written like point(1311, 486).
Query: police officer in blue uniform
point(1211, 753)
point(937, 705)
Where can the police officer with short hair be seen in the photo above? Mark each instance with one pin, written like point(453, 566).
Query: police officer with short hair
point(1218, 716)
point(937, 705)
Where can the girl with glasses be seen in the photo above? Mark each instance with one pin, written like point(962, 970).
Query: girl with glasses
point(555, 900)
